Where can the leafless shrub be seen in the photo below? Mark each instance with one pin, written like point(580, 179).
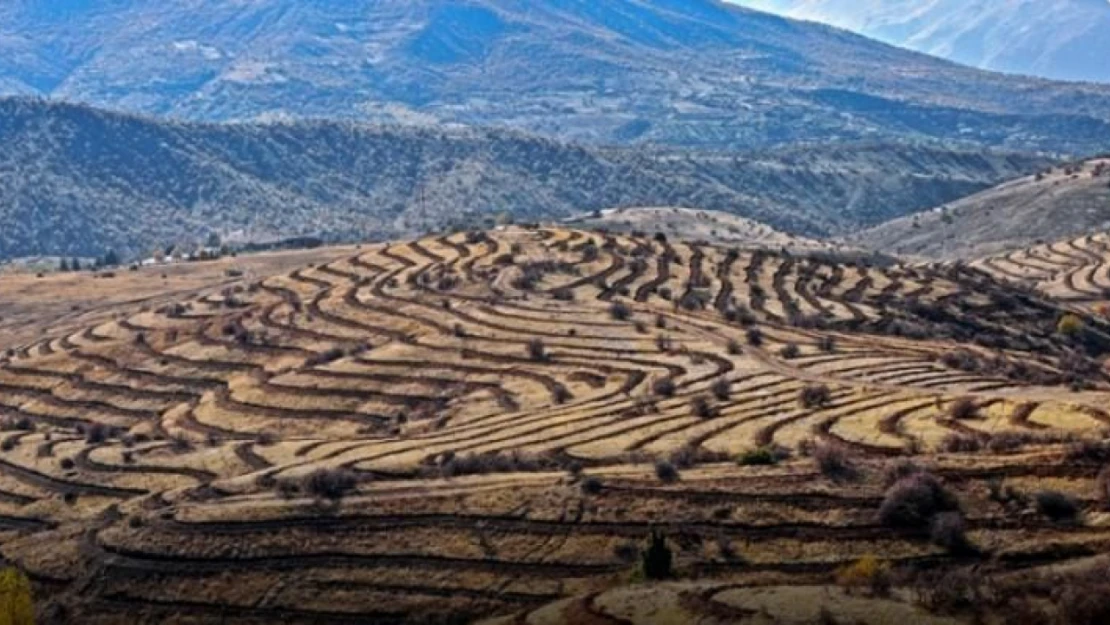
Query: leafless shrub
point(689, 456)
point(814, 396)
point(833, 461)
point(913, 501)
point(952, 591)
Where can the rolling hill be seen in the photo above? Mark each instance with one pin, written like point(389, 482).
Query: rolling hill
point(77, 181)
point(550, 425)
point(690, 72)
point(1057, 203)
point(1059, 39)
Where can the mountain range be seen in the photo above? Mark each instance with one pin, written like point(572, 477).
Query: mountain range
point(1060, 39)
point(694, 73)
point(76, 180)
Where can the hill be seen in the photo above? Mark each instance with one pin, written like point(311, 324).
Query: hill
point(520, 422)
point(1059, 39)
point(76, 181)
point(1054, 204)
point(692, 73)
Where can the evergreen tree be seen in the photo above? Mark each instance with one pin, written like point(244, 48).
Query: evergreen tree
point(657, 557)
point(64, 265)
point(75, 264)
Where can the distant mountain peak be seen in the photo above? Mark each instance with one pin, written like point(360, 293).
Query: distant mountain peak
point(1060, 39)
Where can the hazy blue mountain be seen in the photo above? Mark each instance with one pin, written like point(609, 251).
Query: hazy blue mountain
point(76, 180)
point(677, 72)
point(1061, 39)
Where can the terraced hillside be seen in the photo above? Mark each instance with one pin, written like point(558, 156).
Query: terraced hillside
point(1075, 271)
point(492, 424)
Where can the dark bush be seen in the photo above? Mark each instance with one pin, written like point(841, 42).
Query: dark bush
point(702, 408)
point(1057, 506)
point(663, 387)
point(721, 389)
point(833, 461)
point(560, 394)
point(537, 351)
point(627, 552)
point(657, 558)
point(330, 483)
point(963, 408)
point(754, 336)
point(592, 485)
point(767, 455)
point(689, 456)
point(619, 311)
point(97, 433)
point(734, 348)
point(666, 472)
point(563, 295)
point(913, 501)
point(826, 344)
point(790, 351)
point(814, 396)
point(1089, 451)
point(948, 530)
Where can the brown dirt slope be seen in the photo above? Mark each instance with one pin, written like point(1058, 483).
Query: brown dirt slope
point(1058, 203)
